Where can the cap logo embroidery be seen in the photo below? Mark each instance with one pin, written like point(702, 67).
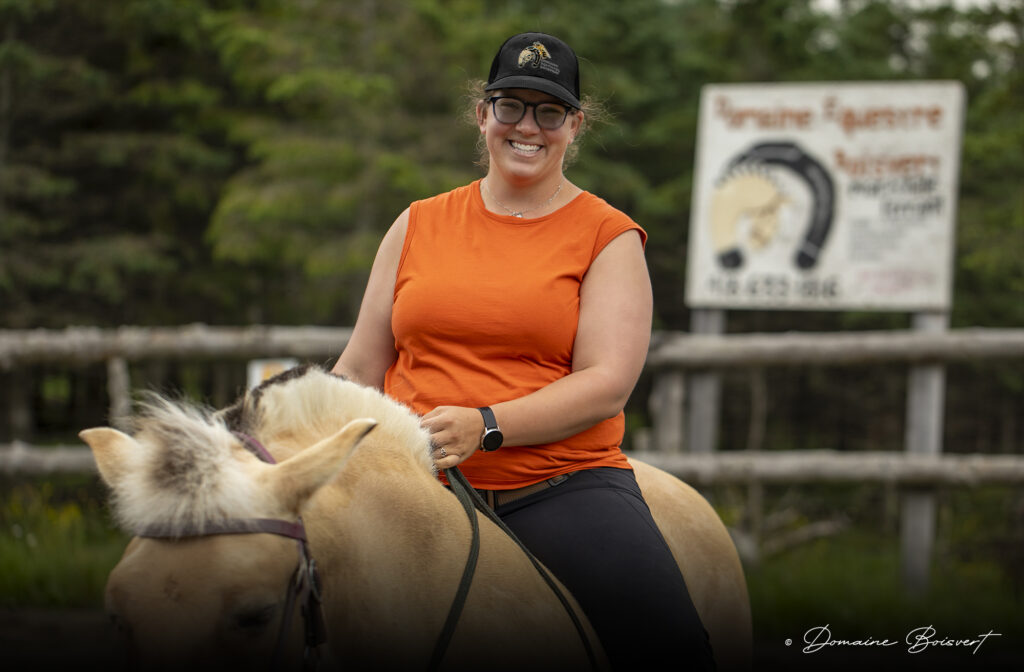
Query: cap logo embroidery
point(537, 56)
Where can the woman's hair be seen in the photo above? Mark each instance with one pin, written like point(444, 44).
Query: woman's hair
point(593, 113)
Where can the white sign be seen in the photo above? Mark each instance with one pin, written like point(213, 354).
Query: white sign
point(825, 196)
point(259, 370)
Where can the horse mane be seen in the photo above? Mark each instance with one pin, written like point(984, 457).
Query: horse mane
point(188, 470)
point(192, 470)
point(306, 404)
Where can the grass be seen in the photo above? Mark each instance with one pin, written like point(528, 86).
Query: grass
point(57, 544)
point(852, 582)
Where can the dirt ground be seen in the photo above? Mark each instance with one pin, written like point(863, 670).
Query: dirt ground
point(40, 639)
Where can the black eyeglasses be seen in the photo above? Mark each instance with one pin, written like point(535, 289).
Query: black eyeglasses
point(509, 110)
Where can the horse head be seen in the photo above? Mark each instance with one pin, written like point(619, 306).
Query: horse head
point(188, 594)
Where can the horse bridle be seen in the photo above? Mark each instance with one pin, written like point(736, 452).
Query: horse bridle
point(304, 586)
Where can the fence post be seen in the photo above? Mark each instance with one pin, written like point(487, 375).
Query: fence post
point(925, 400)
point(119, 390)
point(666, 404)
point(705, 388)
point(20, 415)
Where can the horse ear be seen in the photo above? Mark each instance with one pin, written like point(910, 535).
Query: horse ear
point(296, 479)
point(110, 449)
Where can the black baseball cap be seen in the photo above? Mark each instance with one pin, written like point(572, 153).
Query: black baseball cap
point(537, 61)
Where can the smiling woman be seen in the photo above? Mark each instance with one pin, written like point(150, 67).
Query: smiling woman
point(514, 314)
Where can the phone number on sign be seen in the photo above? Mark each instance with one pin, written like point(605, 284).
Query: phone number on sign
point(775, 287)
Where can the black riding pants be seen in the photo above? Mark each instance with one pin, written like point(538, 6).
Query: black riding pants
point(596, 534)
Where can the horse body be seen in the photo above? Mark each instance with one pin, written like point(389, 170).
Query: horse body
point(388, 528)
point(390, 541)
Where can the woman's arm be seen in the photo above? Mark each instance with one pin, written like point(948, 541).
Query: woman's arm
point(371, 350)
point(609, 353)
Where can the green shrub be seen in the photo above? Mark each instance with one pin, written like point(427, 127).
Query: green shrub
point(57, 544)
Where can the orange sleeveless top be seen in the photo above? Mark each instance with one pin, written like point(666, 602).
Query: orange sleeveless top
point(486, 308)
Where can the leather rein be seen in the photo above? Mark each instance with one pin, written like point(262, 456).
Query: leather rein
point(305, 586)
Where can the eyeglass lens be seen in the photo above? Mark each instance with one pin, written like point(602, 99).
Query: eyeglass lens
point(509, 110)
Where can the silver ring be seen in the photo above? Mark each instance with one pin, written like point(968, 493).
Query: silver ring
point(444, 453)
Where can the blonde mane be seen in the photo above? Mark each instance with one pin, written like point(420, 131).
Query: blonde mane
point(186, 471)
point(189, 470)
point(307, 404)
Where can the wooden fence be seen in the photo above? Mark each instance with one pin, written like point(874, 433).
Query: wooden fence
point(672, 357)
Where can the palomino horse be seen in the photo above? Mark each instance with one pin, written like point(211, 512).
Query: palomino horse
point(390, 541)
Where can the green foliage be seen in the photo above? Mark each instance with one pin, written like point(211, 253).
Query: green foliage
point(109, 162)
point(199, 160)
point(56, 545)
point(851, 581)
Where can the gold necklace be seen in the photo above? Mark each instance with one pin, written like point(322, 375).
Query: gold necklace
point(520, 213)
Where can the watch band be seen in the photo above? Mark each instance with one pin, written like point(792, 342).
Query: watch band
point(492, 438)
point(490, 422)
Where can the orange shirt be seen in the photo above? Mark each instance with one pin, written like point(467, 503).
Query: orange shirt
point(485, 310)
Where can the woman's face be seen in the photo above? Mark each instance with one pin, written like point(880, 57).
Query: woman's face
point(524, 152)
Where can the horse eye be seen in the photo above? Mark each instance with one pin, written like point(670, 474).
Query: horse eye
point(120, 626)
point(255, 618)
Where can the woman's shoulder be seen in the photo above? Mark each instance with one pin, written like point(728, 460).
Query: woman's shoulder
point(597, 205)
point(607, 220)
point(454, 197)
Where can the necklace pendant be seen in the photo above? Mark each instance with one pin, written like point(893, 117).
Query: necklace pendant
point(517, 214)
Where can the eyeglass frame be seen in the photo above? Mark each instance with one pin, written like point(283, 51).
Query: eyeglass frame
point(568, 108)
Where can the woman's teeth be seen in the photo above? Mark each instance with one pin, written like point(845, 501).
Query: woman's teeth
point(525, 148)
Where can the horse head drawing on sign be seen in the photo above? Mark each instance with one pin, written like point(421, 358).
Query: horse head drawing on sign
point(747, 193)
point(222, 574)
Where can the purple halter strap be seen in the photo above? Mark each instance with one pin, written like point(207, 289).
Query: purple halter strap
point(305, 585)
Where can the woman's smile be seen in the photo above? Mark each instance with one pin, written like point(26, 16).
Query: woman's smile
point(525, 148)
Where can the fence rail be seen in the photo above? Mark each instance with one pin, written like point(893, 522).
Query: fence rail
point(84, 345)
point(768, 468)
point(686, 351)
point(827, 466)
point(81, 345)
point(19, 458)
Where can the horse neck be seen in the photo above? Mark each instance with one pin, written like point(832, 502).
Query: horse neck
point(384, 526)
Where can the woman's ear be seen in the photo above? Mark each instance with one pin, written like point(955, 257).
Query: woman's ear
point(577, 123)
point(481, 115)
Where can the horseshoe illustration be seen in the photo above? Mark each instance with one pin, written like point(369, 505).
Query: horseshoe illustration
point(789, 155)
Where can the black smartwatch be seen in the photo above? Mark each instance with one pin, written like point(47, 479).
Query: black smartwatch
point(492, 436)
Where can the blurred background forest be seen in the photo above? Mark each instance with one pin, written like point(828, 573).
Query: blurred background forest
point(236, 162)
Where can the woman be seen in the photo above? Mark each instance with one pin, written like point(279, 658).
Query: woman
point(514, 313)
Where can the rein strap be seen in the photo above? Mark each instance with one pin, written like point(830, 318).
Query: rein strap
point(472, 502)
point(461, 489)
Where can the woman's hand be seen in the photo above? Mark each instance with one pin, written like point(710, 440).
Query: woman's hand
point(455, 433)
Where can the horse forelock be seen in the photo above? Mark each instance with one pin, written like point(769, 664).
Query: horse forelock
point(309, 404)
point(189, 471)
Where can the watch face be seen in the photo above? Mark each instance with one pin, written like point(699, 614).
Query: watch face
point(492, 440)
